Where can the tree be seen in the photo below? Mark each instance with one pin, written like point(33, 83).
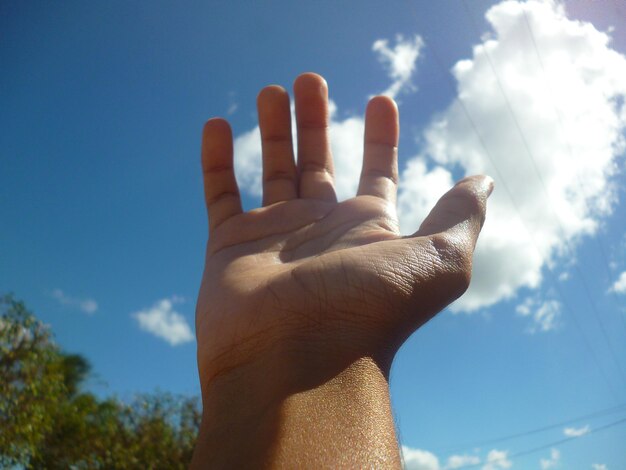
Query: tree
point(31, 382)
point(47, 421)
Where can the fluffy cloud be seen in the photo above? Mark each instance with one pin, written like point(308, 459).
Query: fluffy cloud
point(85, 305)
point(497, 459)
point(460, 461)
point(232, 109)
point(599, 466)
point(247, 148)
point(233, 106)
point(416, 459)
point(399, 61)
point(576, 432)
point(544, 314)
point(514, 118)
point(552, 461)
point(419, 191)
point(619, 286)
point(164, 322)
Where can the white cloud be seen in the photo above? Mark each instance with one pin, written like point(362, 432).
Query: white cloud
point(347, 147)
point(497, 459)
point(619, 286)
point(85, 305)
point(164, 322)
point(417, 459)
point(233, 106)
point(420, 189)
point(459, 461)
point(232, 109)
point(599, 466)
point(552, 461)
point(576, 432)
point(400, 62)
point(530, 218)
point(247, 161)
point(544, 314)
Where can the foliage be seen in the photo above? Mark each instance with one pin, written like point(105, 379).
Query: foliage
point(31, 382)
point(47, 421)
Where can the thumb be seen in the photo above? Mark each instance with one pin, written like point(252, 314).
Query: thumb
point(450, 232)
point(461, 211)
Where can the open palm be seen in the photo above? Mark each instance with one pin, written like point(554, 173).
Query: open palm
point(309, 283)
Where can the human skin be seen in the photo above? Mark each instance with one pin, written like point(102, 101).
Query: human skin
point(305, 301)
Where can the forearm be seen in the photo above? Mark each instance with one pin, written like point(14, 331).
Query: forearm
point(253, 420)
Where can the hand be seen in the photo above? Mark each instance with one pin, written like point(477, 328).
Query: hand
point(303, 287)
point(332, 281)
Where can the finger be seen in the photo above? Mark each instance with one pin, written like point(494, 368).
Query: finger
point(461, 211)
point(221, 193)
point(379, 176)
point(279, 169)
point(434, 266)
point(444, 245)
point(315, 163)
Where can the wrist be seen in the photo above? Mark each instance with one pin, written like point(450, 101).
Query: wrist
point(240, 415)
point(258, 413)
point(284, 366)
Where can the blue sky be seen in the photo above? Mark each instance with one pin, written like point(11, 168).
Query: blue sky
point(103, 221)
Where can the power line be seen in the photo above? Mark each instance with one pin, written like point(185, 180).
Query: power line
point(548, 445)
point(488, 442)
